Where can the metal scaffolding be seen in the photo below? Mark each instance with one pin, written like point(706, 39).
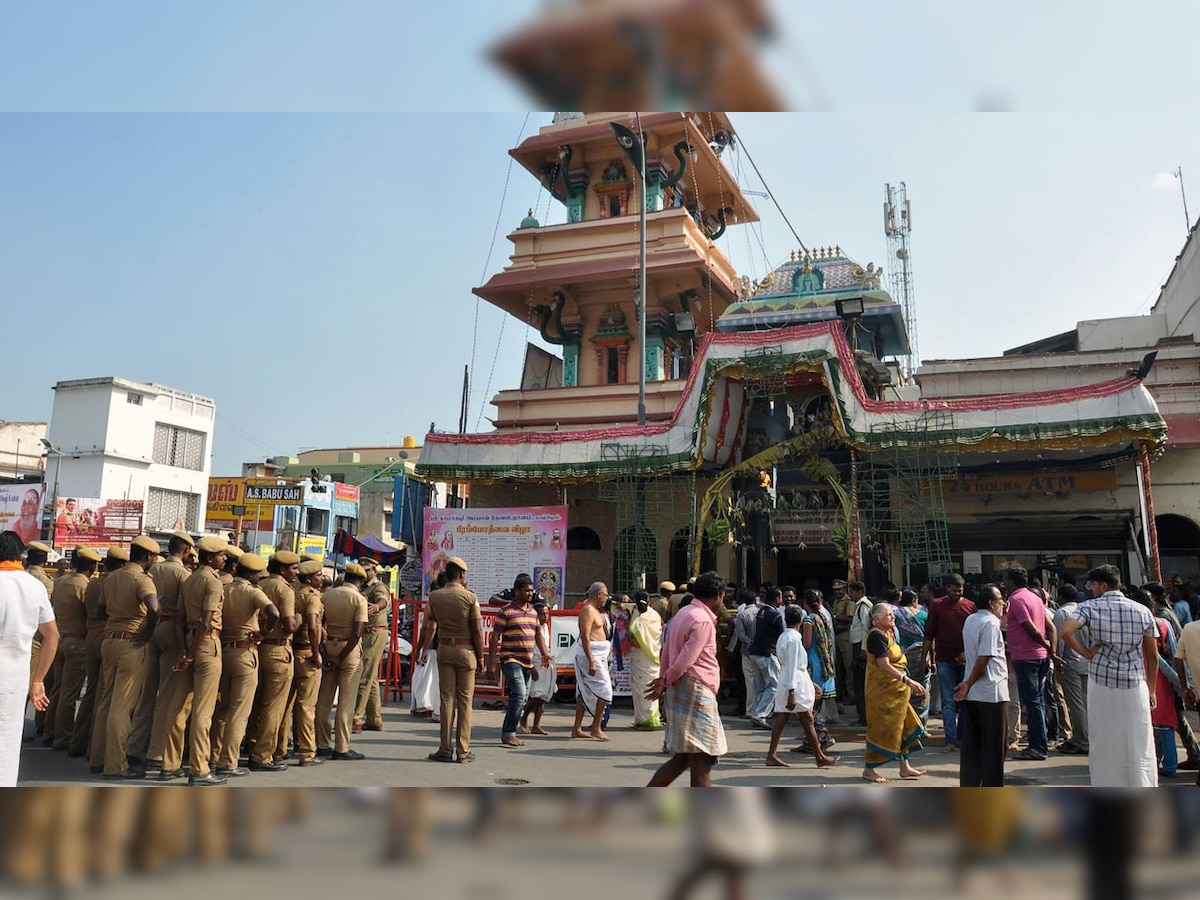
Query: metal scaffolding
point(649, 507)
point(764, 372)
point(900, 494)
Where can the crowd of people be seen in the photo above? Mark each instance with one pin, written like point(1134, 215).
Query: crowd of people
point(140, 661)
point(209, 655)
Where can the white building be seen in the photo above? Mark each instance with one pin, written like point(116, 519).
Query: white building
point(21, 448)
point(118, 439)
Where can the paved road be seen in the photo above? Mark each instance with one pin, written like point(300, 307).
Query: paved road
point(397, 757)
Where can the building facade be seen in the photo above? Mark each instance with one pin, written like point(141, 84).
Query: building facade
point(115, 439)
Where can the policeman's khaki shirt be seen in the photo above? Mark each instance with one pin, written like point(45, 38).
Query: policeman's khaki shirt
point(67, 601)
point(453, 608)
point(168, 576)
point(281, 594)
point(243, 603)
point(203, 592)
point(343, 607)
point(124, 597)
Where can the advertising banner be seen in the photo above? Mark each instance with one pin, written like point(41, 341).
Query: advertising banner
point(259, 498)
point(499, 544)
point(88, 522)
point(21, 509)
point(348, 492)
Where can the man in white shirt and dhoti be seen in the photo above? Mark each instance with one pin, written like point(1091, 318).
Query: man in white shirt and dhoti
point(593, 683)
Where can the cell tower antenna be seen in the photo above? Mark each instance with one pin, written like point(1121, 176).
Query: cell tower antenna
point(897, 225)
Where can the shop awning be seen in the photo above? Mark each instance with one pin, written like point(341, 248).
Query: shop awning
point(368, 547)
point(1109, 534)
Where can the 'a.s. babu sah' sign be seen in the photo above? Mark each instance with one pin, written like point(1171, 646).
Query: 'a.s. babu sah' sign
point(283, 494)
point(1032, 483)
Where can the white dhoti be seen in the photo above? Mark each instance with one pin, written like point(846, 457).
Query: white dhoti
point(12, 725)
point(590, 688)
point(545, 684)
point(425, 685)
point(1120, 737)
point(806, 694)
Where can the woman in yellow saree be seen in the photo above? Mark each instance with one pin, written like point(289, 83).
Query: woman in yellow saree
point(893, 729)
point(645, 638)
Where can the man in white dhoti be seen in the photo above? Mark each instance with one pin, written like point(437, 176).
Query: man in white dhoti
point(645, 640)
point(593, 683)
point(24, 609)
point(545, 679)
point(1122, 671)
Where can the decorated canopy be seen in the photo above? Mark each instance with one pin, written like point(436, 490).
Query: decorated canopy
point(709, 422)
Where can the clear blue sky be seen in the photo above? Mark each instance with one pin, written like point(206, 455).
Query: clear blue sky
point(312, 271)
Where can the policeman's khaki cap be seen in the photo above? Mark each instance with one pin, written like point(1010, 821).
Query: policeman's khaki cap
point(210, 544)
point(147, 543)
point(86, 554)
point(234, 552)
point(357, 571)
point(37, 546)
point(310, 567)
point(307, 557)
point(185, 537)
point(839, 583)
point(457, 561)
point(118, 553)
point(252, 562)
point(666, 587)
point(286, 558)
point(365, 561)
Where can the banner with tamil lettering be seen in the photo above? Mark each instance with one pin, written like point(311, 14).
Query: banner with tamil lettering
point(497, 545)
point(21, 510)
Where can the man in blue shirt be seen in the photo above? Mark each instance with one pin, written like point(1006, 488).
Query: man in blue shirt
point(768, 626)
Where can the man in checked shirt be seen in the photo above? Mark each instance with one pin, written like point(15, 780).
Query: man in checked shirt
point(1122, 670)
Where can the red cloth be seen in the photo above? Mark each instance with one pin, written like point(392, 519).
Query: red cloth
point(944, 627)
point(1164, 712)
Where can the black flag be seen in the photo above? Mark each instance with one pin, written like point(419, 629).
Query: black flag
point(631, 145)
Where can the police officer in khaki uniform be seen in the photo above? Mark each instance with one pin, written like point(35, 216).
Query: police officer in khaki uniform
point(70, 663)
point(232, 555)
point(240, 632)
point(454, 611)
point(306, 644)
point(131, 601)
point(201, 603)
point(149, 733)
point(368, 714)
point(36, 554)
point(276, 667)
point(97, 618)
point(345, 619)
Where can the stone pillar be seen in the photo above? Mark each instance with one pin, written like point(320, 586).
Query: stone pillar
point(570, 374)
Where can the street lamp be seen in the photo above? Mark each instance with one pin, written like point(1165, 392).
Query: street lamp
point(50, 448)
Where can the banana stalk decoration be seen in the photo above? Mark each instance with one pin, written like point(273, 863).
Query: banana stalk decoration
point(802, 450)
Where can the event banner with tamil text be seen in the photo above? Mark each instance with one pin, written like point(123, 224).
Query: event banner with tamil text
point(499, 544)
point(89, 522)
point(21, 510)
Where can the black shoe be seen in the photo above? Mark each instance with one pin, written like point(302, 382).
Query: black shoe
point(441, 757)
point(470, 757)
point(325, 753)
point(267, 767)
point(153, 765)
point(315, 761)
point(239, 772)
point(133, 774)
point(169, 774)
point(349, 754)
point(212, 778)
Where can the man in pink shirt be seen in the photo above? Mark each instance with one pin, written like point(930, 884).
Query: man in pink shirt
point(688, 683)
point(1031, 634)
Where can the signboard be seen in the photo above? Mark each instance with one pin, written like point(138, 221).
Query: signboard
point(279, 494)
point(499, 544)
point(804, 529)
point(1031, 483)
point(21, 510)
point(88, 522)
point(257, 496)
point(348, 492)
point(314, 546)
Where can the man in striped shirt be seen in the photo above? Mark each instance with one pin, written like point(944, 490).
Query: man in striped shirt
point(514, 637)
